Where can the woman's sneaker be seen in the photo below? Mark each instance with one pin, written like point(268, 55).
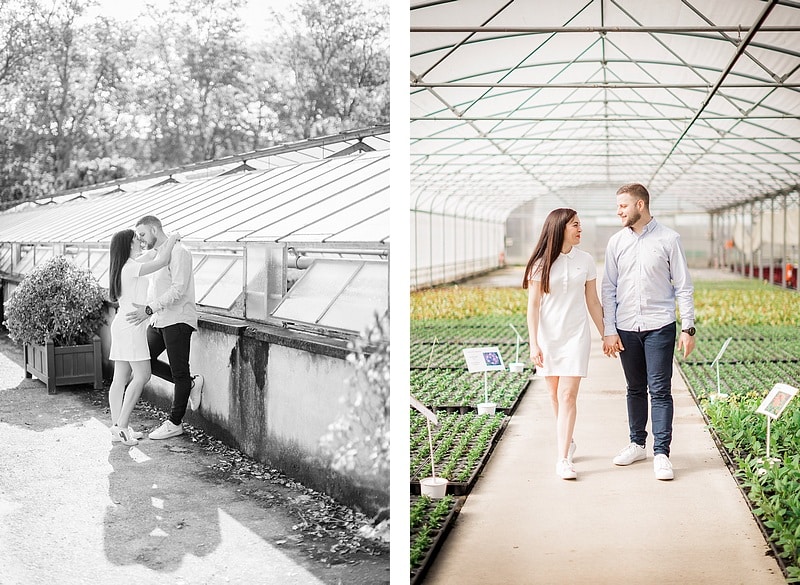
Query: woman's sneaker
point(196, 394)
point(167, 430)
point(115, 438)
point(629, 454)
point(565, 470)
point(126, 436)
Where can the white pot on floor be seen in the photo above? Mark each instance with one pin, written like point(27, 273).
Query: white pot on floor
point(433, 487)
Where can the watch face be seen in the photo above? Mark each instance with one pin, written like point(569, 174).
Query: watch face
point(690, 331)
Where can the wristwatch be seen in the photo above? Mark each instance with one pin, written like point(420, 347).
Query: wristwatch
point(691, 331)
point(149, 311)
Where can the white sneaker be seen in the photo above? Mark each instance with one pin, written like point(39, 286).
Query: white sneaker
point(167, 430)
point(571, 453)
point(565, 470)
point(196, 394)
point(115, 438)
point(126, 436)
point(629, 454)
point(662, 467)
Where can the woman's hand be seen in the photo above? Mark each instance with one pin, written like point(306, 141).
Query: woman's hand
point(536, 355)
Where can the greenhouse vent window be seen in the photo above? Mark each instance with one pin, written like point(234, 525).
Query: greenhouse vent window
point(337, 296)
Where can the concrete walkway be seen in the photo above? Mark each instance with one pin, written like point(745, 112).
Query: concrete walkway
point(523, 525)
point(77, 510)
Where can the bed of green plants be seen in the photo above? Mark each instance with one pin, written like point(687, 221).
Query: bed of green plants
point(444, 322)
point(763, 322)
point(427, 520)
point(460, 442)
point(441, 388)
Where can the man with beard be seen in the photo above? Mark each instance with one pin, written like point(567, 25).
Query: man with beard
point(645, 273)
point(173, 319)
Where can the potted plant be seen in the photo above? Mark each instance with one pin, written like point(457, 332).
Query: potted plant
point(56, 312)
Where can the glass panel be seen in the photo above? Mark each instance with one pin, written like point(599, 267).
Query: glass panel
point(256, 301)
point(227, 289)
point(5, 258)
point(43, 254)
point(310, 296)
point(25, 260)
point(266, 278)
point(209, 272)
point(365, 295)
point(100, 260)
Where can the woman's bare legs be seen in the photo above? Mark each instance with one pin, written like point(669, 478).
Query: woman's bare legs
point(564, 397)
point(122, 373)
point(141, 374)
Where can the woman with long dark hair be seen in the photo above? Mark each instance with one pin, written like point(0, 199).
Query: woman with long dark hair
point(561, 282)
point(129, 350)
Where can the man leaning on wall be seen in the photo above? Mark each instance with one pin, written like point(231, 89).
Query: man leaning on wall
point(172, 313)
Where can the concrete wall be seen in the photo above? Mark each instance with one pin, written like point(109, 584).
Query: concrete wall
point(273, 393)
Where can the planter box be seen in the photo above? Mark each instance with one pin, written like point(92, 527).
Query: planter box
point(64, 366)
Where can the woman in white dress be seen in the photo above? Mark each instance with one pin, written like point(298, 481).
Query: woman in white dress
point(562, 287)
point(129, 350)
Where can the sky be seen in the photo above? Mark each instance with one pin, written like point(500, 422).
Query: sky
point(257, 11)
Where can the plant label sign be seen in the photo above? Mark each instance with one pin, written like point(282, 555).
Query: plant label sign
point(777, 400)
point(483, 359)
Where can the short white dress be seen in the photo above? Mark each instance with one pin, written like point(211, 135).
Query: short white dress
point(129, 342)
point(564, 334)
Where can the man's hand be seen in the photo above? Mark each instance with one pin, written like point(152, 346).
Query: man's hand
point(612, 345)
point(687, 343)
point(137, 316)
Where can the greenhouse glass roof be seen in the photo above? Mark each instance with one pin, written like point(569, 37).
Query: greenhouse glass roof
point(513, 100)
point(334, 200)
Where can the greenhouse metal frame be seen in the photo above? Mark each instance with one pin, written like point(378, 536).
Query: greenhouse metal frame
point(519, 106)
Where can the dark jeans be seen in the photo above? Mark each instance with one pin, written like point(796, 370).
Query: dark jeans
point(647, 363)
point(175, 339)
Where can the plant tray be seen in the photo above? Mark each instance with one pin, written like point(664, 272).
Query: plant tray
point(462, 488)
point(418, 573)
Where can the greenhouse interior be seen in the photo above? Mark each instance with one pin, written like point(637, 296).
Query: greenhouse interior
point(290, 250)
point(518, 108)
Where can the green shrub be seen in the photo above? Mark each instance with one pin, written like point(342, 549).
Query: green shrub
point(57, 301)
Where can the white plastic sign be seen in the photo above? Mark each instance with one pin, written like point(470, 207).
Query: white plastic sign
point(483, 359)
point(777, 400)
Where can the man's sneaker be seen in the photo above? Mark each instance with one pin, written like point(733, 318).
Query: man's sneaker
point(115, 438)
point(572, 447)
point(167, 430)
point(196, 394)
point(565, 470)
point(662, 467)
point(629, 454)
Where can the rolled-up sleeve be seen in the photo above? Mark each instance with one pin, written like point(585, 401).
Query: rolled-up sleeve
point(608, 291)
point(682, 282)
point(180, 270)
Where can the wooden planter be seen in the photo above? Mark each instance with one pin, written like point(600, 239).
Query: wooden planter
point(63, 366)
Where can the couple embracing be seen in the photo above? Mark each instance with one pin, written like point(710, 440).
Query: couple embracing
point(645, 274)
point(151, 278)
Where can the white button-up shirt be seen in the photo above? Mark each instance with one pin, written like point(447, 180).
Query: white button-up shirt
point(644, 275)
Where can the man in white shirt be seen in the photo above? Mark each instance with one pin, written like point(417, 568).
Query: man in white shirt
point(645, 274)
point(173, 318)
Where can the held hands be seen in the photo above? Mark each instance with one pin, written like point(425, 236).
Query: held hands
point(137, 316)
point(687, 343)
point(612, 345)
